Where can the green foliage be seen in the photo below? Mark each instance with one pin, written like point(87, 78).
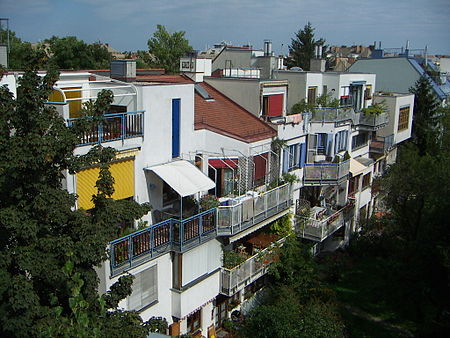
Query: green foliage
point(208, 202)
point(325, 100)
point(346, 156)
point(232, 259)
point(425, 122)
point(302, 107)
point(282, 226)
point(167, 49)
point(375, 109)
point(42, 292)
point(302, 47)
point(70, 53)
point(157, 324)
point(20, 51)
point(278, 144)
point(336, 159)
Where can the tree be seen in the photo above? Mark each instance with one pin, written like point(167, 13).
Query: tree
point(302, 47)
point(19, 52)
point(48, 250)
point(425, 114)
point(167, 48)
point(70, 53)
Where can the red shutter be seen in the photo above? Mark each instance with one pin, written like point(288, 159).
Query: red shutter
point(276, 105)
point(260, 162)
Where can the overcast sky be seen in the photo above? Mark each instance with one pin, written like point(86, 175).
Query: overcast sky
point(127, 24)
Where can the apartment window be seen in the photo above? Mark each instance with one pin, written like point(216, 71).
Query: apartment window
point(345, 97)
point(403, 120)
point(366, 181)
point(194, 321)
point(359, 140)
point(325, 89)
point(353, 185)
point(260, 163)
point(145, 289)
point(312, 94)
point(341, 141)
point(321, 143)
point(294, 153)
point(368, 92)
point(273, 105)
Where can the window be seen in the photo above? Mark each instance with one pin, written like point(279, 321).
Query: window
point(293, 156)
point(321, 143)
point(312, 93)
point(194, 321)
point(403, 120)
point(368, 92)
point(145, 289)
point(345, 97)
point(273, 105)
point(366, 181)
point(353, 185)
point(176, 127)
point(260, 163)
point(359, 140)
point(341, 141)
point(325, 89)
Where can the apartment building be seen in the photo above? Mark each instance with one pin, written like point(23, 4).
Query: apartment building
point(209, 154)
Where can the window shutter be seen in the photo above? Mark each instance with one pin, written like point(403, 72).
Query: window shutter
point(330, 144)
point(302, 155)
point(285, 160)
point(276, 105)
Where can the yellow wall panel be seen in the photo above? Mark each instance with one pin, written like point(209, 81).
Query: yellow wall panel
point(123, 173)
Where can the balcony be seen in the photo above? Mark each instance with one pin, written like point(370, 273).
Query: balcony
point(182, 235)
point(161, 238)
point(235, 279)
point(114, 127)
point(325, 173)
point(321, 222)
point(371, 121)
point(251, 210)
point(381, 144)
point(331, 114)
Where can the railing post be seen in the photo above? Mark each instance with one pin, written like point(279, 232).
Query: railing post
point(152, 241)
point(123, 127)
point(181, 235)
point(100, 132)
point(200, 228)
point(130, 249)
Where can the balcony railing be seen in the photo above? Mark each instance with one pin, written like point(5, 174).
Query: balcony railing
point(158, 239)
point(373, 122)
point(234, 280)
point(330, 114)
point(325, 173)
point(114, 127)
point(182, 235)
point(381, 144)
point(319, 229)
point(251, 210)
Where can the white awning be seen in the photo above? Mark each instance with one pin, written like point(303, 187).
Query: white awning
point(185, 178)
point(356, 167)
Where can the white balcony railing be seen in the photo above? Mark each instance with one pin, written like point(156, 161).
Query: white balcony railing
point(251, 210)
point(319, 229)
point(234, 280)
point(323, 173)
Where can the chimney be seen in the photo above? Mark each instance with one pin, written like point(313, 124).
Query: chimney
point(123, 70)
point(267, 48)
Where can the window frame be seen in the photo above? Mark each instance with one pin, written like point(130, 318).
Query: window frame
point(403, 118)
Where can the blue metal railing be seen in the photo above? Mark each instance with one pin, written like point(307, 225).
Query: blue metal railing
point(118, 126)
point(169, 235)
point(182, 235)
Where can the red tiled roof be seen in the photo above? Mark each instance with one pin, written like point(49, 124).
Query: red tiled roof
point(164, 78)
point(224, 116)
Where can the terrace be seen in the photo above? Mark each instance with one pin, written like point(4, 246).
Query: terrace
point(182, 235)
point(381, 144)
point(319, 223)
point(325, 173)
point(234, 279)
point(118, 126)
point(371, 121)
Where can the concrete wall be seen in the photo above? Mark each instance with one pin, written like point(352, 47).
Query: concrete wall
point(238, 58)
point(393, 74)
point(243, 91)
point(394, 103)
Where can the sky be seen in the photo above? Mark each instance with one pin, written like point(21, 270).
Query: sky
point(128, 24)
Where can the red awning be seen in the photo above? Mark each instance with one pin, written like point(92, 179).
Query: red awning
point(223, 163)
